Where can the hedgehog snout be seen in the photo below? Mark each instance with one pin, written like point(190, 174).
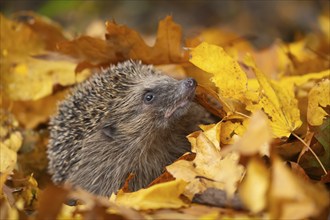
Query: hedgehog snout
point(187, 87)
point(189, 83)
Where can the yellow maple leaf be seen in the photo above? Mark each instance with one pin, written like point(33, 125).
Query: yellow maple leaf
point(229, 130)
point(227, 74)
point(256, 139)
point(22, 76)
point(35, 78)
point(158, 196)
point(277, 102)
point(186, 171)
point(212, 132)
point(289, 81)
point(318, 97)
point(209, 168)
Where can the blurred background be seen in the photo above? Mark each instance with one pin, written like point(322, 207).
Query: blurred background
point(263, 20)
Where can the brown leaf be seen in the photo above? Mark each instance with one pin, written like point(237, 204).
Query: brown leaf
point(211, 101)
point(125, 188)
point(298, 170)
point(50, 202)
point(123, 43)
point(47, 30)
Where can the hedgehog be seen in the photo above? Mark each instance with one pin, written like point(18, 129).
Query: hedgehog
point(127, 119)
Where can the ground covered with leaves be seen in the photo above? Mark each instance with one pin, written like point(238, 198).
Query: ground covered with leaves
point(268, 157)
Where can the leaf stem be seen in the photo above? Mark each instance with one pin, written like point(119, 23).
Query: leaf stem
point(242, 114)
point(309, 148)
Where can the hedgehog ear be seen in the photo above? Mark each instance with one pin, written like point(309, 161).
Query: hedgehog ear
point(109, 130)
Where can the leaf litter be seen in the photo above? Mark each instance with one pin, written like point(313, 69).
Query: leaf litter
point(270, 150)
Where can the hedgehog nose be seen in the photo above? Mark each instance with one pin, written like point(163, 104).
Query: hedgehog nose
point(190, 83)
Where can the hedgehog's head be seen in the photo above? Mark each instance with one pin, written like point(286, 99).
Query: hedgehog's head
point(147, 99)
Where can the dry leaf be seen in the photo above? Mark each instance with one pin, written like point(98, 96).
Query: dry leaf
point(36, 57)
point(227, 74)
point(10, 142)
point(292, 197)
point(32, 113)
point(50, 209)
point(231, 129)
point(123, 43)
point(256, 139)
point(254, 186)
point(212, 132)
point(163, 195)
point(318, 98)
point(25, 77)
point(209, 168)
point(47, 30)
point(277, 102)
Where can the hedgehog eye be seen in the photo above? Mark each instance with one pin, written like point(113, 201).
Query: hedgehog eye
point(148, 97)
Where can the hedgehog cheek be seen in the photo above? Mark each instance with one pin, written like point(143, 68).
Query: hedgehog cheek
point(109, 130)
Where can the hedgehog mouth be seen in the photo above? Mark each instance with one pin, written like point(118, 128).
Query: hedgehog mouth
point(180, 105)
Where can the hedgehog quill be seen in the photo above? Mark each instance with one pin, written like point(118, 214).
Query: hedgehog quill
point(129, 119)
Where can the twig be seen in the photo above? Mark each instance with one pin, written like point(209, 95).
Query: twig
point(309, 148)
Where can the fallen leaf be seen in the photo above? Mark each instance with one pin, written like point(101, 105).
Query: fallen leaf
point(227, 74)
point(290, 81)
point(298, 170)
point(318, 98)
point(299, 199)
point(212, 132)
point(209, 168)
point(254, 186)
point(8, 159)
point(30, 194)
point(256, 139)
point(163, 195)
point(323, 135)
point(213, 103)
point(231, 129)
point(277, 102)
point(123, 43)
point(47, 30)
point(34, 79)
point(10, 141)
point(50, 208)
point(26, 77)
point(32, 113)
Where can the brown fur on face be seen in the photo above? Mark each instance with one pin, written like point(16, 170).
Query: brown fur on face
point(128, 119)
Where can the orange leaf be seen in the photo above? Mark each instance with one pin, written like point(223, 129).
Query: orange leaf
point(123, 43)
